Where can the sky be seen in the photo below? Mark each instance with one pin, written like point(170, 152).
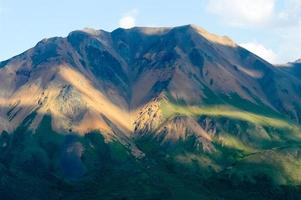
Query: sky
point(268, 28)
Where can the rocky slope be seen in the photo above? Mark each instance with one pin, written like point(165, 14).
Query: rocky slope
point(150, 102)
point(293, 68)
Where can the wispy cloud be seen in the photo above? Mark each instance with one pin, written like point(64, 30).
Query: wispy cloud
point(242, 12)
point(248, 13)
point(289, 15)
point(277, 17)
point(260, 50)
point(129, 19)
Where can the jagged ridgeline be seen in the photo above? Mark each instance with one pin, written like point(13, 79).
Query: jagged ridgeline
point(148, 113)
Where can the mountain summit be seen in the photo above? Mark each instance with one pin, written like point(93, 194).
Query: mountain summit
point(89, 110)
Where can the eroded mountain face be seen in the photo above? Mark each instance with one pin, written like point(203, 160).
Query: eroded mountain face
point(294, 68)
point(160, 99)
point(127, 69)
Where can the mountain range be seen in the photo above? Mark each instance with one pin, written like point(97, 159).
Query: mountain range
point(148, 113)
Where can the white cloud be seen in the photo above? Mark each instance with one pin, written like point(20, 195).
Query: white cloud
point(289, 15)
point(242, 12)
point(127, 22)
point(260, 50)
point(287, 26)
point(129, 19)
point(289, 44)
point(280, 19)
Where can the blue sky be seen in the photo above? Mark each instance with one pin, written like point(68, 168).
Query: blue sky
point(270, 28)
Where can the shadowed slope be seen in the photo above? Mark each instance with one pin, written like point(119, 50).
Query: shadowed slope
point(171, 110)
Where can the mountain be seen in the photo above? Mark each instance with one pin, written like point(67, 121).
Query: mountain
point(148, 113)
point(293, 68)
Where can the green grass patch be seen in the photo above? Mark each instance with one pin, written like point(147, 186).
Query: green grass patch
point(170, 109)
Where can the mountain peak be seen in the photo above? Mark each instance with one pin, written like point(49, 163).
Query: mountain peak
point(192, 28)
point(222, 40)
point(298, 60)
point(89, 31)
point(142, 104)
point(92, 31)
point(144, 30)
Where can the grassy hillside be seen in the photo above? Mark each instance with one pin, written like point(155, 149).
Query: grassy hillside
point(33, 165)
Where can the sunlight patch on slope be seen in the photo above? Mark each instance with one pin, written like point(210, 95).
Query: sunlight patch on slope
point(223, 40)
point(234, 143)
point(281, 164)
point(170, 109)
point(96, 99)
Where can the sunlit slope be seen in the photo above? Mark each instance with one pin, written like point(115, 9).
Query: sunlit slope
point(147, 113)
point(115, 74)
point(170, 109)
point(238, 142)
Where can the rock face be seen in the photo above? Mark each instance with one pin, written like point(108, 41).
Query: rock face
point(195, 97)
point(76, 77)
point(293, 68)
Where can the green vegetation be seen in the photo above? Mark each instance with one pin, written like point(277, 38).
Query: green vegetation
point(250, 148)
point(169, 109)
point(254, 156)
